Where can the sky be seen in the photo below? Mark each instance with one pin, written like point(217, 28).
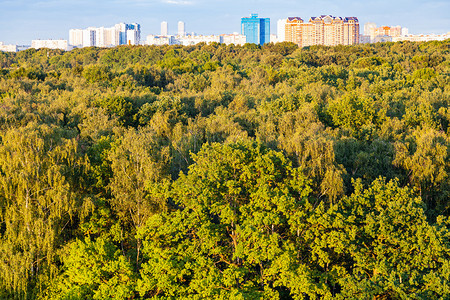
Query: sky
point(24, 20)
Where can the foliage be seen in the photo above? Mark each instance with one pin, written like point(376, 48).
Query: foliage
point(235, 209)
point(215, 171)
point(94, 270)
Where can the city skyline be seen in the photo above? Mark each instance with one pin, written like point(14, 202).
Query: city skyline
point(23, 20)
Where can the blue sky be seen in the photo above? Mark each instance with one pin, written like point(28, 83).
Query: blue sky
point(24, 20)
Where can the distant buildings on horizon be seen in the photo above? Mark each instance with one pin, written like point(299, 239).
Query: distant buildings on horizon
point(374, 34)
point(51, 44)
point(323, 30)
point(119, 34)
point(187, 39)
point(253, 30)
point(8, 48)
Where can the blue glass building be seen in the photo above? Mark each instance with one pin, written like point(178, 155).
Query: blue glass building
point(256, 30)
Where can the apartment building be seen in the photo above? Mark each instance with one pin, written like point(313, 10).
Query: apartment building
point(8, 48)
point(281, 27)
point(181, 28)
point(422, 37)
point(323, 30)
point(50, 44)
point(164, 28)
point(293, 31)
point(234, 38)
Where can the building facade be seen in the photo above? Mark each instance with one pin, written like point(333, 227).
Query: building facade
point(50, 44)
point(274, 38)
point(393, 31)
point(76, 37)
point(133, 34)
point(189, 40)
point(256, 30)
point(164, 28)
point(234, 38)
point(8, 48)
point(133, 37)
point(281, 24)
point(181, 28)
point(422, 37)
point(89, 37)
point(324, 30)
point(159, 40)
point(105, 37)
point(293, 30)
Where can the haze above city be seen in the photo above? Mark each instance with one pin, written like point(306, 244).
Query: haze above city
point(24, 20)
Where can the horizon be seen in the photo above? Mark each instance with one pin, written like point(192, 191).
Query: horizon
point(22, 21)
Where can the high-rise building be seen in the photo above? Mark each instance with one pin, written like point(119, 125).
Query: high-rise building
point(132, 37)
point(164, 28)
point(181, 28)
point(76, 37)
point(351, 31)
point(369, 33)
point(293, 30)
point(105, 37)
point(256, 30)
point(369, 28)
point(133, 34)
point(121, 33)
point(281, 35)
point(323, 30)
point(89, 36)
point(128, 34)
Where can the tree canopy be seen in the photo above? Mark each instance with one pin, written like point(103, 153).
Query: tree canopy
point(229, 172)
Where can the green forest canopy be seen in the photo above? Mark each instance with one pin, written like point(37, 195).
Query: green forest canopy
point(230, 172)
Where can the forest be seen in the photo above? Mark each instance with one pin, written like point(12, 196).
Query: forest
point(226, 172)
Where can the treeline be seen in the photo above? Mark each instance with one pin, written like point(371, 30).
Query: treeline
point(227, 172)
